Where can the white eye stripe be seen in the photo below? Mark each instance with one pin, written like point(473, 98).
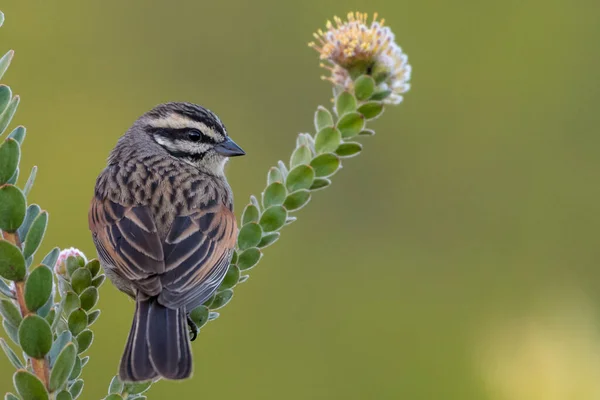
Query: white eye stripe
point(178, 121)
point(182, 146)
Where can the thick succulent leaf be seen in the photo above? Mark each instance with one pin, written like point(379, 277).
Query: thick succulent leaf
point(200, 316)
point(38, 287)
point(221, 299)
point(18, 134)
point(12, 263)
point(29, 386)
point(348, 149)
point(327, 140)
point(231, 278)
point(371, 110)
point(10, 354)
point(10, 153)
point(297, 200)
point(364, 87)
point(35, 336)
point(351, 124)
point(10, 111)
point(299, 178)
point(30, 215)
point(35, 234)
point(345, 103)
point(250, 214)
point(77, 321)
point(10, 312)
point(249, 258)
point(249, 236)
point(30, 181)
point(273, 219)
point(323, 118)
point(274, 194)
point(12, 208)
point(63, 367)
point(84, 340)
point(4, 63)
point(325, 165)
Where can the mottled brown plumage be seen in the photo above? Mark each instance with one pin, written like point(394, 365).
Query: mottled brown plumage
point(163, 224)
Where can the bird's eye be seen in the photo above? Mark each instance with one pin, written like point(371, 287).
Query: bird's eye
point(194, 135)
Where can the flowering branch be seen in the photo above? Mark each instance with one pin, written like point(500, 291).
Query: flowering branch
point(47, 310)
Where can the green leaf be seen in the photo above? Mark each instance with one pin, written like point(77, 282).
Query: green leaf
point(274, 175)
point(72, 265)
point(18, 134)
point(116, 386)
point(273, 218)
point(59, 343)
point(323, 119)
point(4, 63)
point(364, 87)
point(12, 263)
point(268, 239)
point(320, 183)
point(84, 340)
point(71, 302)
point(325, 165)
point(62, 367)
point(64, 395)
point(301, 155)
point(10, 312)
point(200, 316)
point(380, 95)
point(5, 96)
point(274, 194)
point(1, 18)
point(97, 281)
point(12, 208)
point(10, 354)
point(249, 236)
point(137, 387)
point(93, 266)
point(38, 287)
point(50, 316)
point(30, 215)
point(93, 316)
point(88, 298)
point(35, 336)
point(9, 159)
point(213, 315)
point(85, 360)
point(234, 257)
point(76, 388)
point(13, 179)
point(11, 331)
point(283, 169)
point(300, 177)
point(221, 299)
point(30, 180)
point(5, 290)
point(366, 132)
point(249, 258)
point(348, 149)
point(77, 321)
point(243, 278)
point(231, 278)
point(371, 110)
point(345, 103)
point(29, 386)
point(76, 369)
point(81, 279)
point(9, 113)
point(10, 396)
point(297, 200)
point(327, 140)
point(350, 125)
point(51, 257)
point(250, 214)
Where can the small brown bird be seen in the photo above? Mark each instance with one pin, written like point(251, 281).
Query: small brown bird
point(163, 225)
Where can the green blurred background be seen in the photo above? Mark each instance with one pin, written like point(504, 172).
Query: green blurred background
point(457, 258)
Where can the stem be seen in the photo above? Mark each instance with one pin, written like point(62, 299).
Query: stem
point(40, 366)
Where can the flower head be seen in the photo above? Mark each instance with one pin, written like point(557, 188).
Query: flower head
point(61, 264)
point(353, 48)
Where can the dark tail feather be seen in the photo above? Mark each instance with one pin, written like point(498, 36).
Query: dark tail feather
point(135, 363)
point(168, 339)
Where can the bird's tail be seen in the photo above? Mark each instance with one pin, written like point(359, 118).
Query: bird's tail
point(158, 344)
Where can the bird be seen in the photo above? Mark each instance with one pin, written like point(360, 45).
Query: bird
point(163, 225)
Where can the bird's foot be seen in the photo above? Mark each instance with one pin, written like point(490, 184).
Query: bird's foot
point(193, 329)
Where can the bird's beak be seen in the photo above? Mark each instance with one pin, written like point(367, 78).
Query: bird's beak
point(228, 148)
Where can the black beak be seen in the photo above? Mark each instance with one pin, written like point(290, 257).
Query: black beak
point(228, 148)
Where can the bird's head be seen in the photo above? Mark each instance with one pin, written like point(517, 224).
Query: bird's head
point(190, 133)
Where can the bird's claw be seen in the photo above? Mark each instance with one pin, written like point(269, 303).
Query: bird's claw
point(193, 329)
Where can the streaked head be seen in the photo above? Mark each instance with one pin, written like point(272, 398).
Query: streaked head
point(191, 133)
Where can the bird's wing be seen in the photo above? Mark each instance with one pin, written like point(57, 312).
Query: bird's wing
point(197, 251)
point(127, 240)
point(184, 268)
